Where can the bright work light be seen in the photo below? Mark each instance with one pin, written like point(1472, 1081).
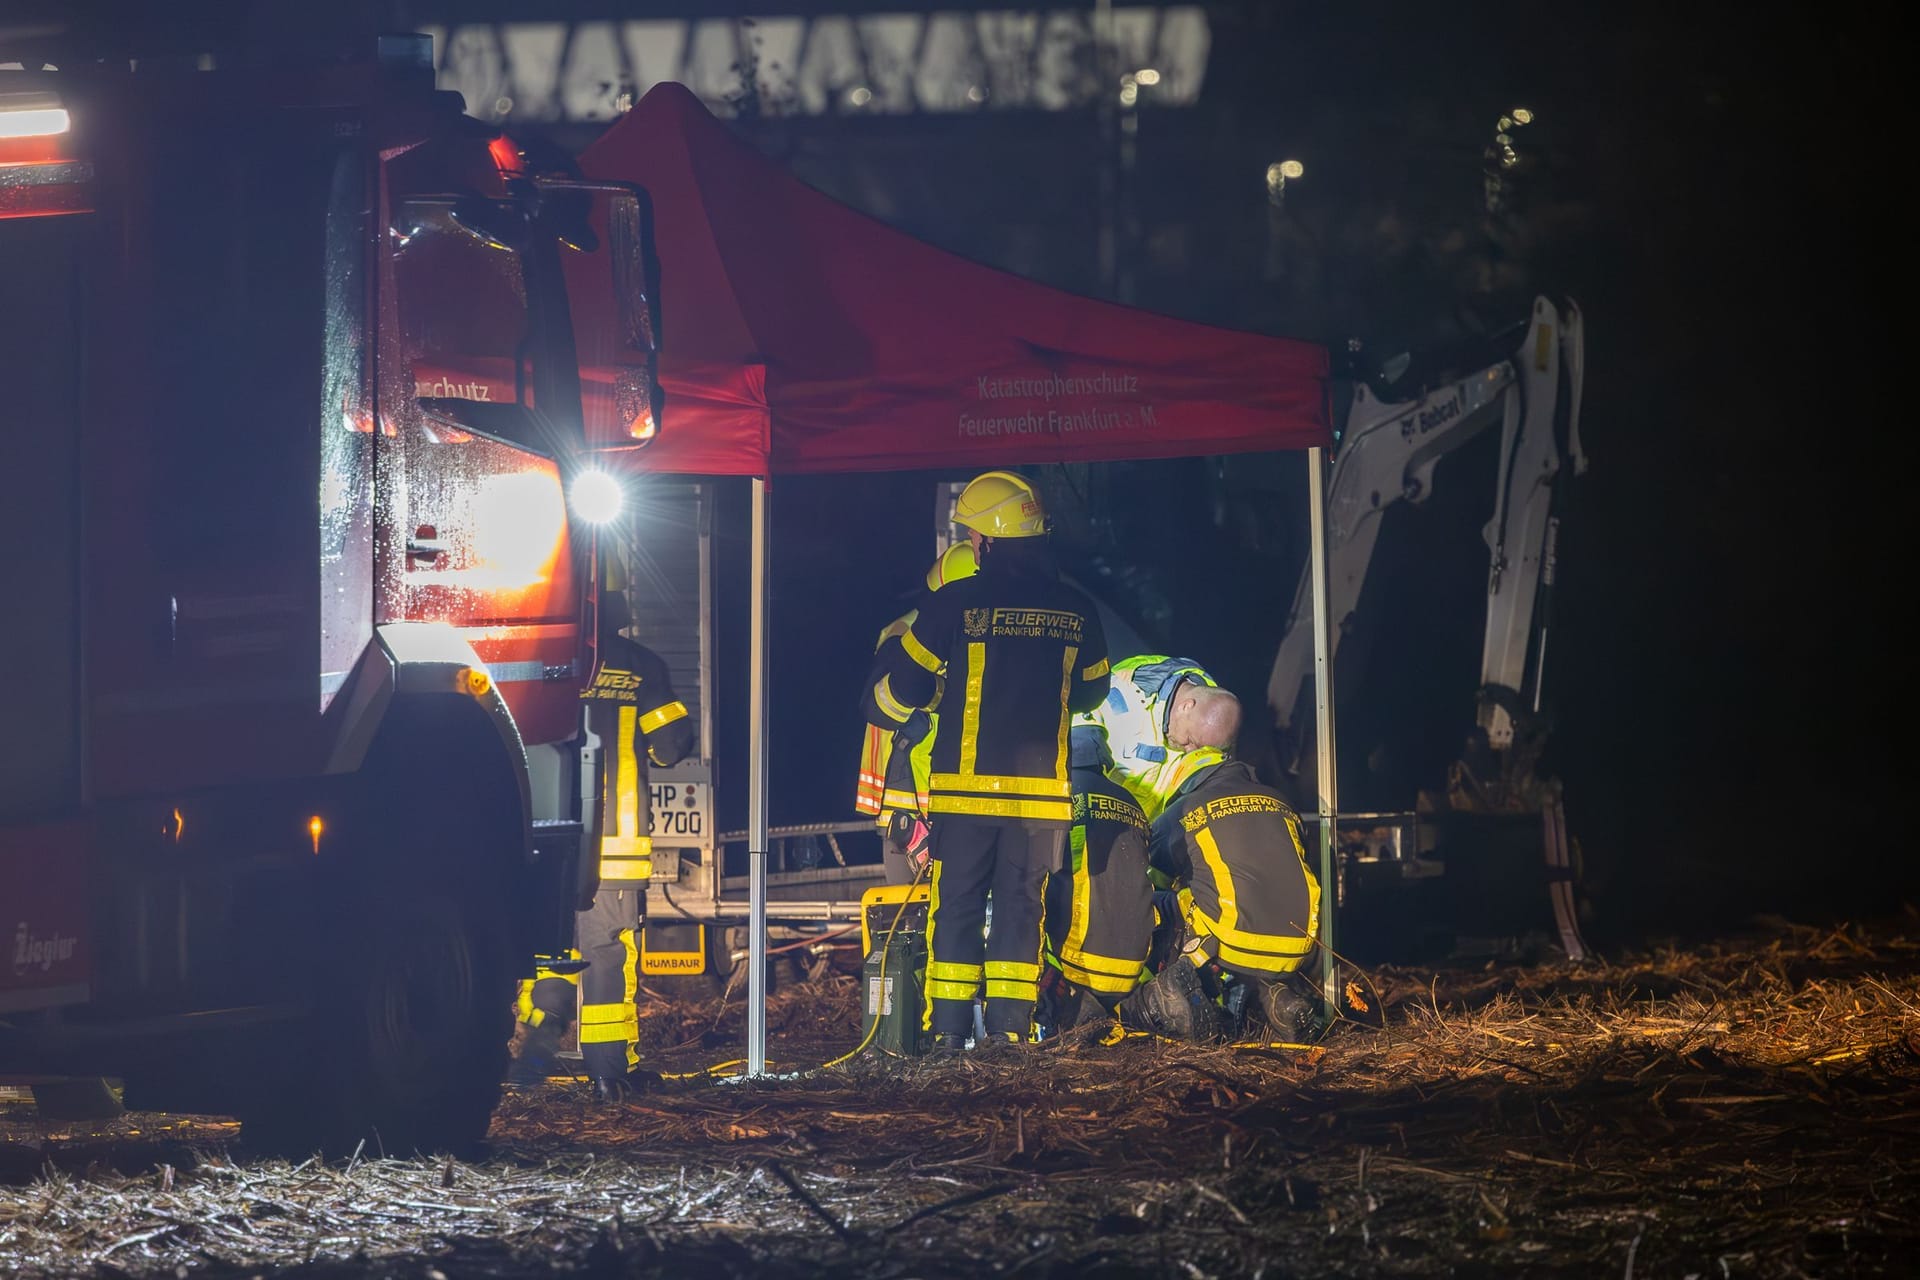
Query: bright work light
point(597, 497)
point(42, 122)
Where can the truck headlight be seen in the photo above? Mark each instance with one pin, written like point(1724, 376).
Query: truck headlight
point(597, 497)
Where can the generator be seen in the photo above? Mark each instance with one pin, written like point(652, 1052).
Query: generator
point(894, 975)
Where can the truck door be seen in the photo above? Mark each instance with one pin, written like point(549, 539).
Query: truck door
point(40, 515)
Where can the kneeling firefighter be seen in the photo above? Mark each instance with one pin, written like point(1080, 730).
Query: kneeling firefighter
point(1100, 914)
point(896, 762)
point(1019, 651)
point(1245, 912)
point(633, 710)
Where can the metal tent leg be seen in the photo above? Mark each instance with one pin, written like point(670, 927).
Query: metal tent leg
point(1323, 721)
point(757, 793)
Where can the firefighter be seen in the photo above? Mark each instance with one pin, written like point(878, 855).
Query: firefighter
point(1159, 711)
point(1020, 652)
point(895, 762)
point(1246, 908)
point(1100, 917)
point(633, 710)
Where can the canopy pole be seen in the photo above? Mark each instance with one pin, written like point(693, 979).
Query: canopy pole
point(757, 793)
point(1323, 718)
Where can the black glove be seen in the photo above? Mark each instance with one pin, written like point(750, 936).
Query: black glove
point(910, 735)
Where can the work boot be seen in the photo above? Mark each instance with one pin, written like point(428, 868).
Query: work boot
point(616, 1089)
point(946, 1044)
point(1174, 1006)
point(533, 1062)
point(1290, 1014)
point(1000, 1043)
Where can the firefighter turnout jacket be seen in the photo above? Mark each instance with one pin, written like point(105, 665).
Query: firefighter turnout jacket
point(1019, 652)
point(1135, 713)
point(632, 707)
point(1100, 916)
point(1235, 845)
point(893, 781)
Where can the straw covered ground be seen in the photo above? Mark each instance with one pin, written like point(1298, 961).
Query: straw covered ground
point(1743, 1109)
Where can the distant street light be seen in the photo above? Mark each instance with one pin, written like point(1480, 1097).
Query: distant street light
point(1278, 175)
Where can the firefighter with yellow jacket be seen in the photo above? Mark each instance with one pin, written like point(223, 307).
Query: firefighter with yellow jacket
point(1246, 907)
point(895, 762)
point(634, 712)
point(1100, 912)
point(1019, 651)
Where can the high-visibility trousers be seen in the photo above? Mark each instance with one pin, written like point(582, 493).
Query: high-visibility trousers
point(1099, 932)
point(972, 860)
point(607, 935)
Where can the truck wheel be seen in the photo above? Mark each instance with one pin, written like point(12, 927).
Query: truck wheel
point(407, 1048)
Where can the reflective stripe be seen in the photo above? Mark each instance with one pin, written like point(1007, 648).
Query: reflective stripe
point(890, 707)
point(626, 853)
point(1066, 692)
point(1097, 980)
point(919, 652)
point(900, 800)
point(1012, 969)
point(952, 971)
point(626, 779)
point(1095, 671)
point(970, 711)
point(980, 806)
point(626, 858)
point(660, 716)
point(1261, 962)
point(946, 979)
point(630, 971)
point(1222, 878)
point(608, 1023)
point(873, 764)
point(1011, 989)
point(1080, 915)
point(1004, 783)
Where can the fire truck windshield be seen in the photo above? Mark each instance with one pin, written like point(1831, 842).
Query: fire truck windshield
point(462, 301)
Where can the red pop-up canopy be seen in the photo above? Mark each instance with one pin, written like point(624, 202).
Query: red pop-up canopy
point(798, 335)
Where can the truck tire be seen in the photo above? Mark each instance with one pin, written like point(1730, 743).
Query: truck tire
point(413, 999)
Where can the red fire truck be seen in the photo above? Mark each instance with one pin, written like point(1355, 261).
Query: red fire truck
point(291, 406)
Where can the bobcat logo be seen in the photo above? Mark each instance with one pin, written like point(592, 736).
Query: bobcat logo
point(974, 621)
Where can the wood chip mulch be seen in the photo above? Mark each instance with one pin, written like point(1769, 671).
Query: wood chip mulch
point(1744, 1109)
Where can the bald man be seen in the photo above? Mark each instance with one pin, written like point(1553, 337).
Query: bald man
point(1166, 719)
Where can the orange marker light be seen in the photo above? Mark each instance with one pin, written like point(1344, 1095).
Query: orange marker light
point(314, 828)
point(475, 682)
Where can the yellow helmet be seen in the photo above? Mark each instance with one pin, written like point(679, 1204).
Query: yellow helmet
point(1000, 504)
point(957, 563)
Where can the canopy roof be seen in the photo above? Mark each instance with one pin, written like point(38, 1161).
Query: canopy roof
point(798, 335)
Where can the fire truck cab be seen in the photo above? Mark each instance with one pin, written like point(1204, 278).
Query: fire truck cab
point(291, 402)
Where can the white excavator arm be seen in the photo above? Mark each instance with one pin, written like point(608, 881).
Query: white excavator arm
point(1387, 454)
